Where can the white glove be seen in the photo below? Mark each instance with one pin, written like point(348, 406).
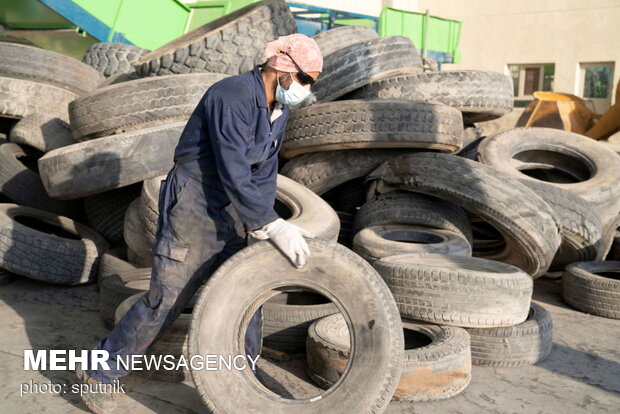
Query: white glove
point(289, 238)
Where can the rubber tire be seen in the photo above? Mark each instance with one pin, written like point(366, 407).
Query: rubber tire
point(46, 257)
point(138, 241)
point(601, 189)
point(105, 164)
point(42, 133)
point(345, 237)
point(584, 289)
point(404, 207)
point(376, 242)
point(139, 104)
point(110, 58)
point(373, 124)
point(531, 239)
point(607, 238)
point(20, 98)
point(44, 66)
point(117, 288)
point(514, 346)
point(232, 44)
point(361, 63)
point(479, 95)
point(338, 38)
point(439, 370)
point(357, 290)
point(23, 185)
point(113, 262)
point(105, 212)
point(322, 171)
point(6, 277)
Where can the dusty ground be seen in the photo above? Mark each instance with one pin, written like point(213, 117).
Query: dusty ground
point(582, 374)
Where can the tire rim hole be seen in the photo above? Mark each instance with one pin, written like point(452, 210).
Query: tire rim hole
point(552, 167)
point(416, 339)
point(412, 236)
point(30, 161)
point(487, 239)
point(45, 227)
point(611, 274)
point(299, 299)
point(283, 210)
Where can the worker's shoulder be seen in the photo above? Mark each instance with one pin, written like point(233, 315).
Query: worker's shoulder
point(235, 88)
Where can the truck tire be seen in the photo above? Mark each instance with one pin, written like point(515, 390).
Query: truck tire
point(404, 207)
point(105, 164)
point(287, 317)
point(457, 290)
point(333, 40)
point(105, 212)
point(514, 346)
point(117, 288)
point(593, 287)
point(437, 363)
point(138, 241)
point(47, 247)
point(479, 95)
point(361, 63)
point(358, 292)
point(20, 98)
point(232, 44)
point(139, 104)
point(6, 277)
point(588, 169)
point(376, 242)
point(42, 133)
point(113, 262)
point(531, 239)
point(609, 233)
point(110, 58)
point(44, 66)
point(373, 124)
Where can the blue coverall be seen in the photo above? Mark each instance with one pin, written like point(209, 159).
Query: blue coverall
point(222, 186)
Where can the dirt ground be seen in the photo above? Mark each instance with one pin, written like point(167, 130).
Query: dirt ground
point(582, 374)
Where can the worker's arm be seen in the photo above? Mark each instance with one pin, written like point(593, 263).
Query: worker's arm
point(229, 124)
point(267, 171)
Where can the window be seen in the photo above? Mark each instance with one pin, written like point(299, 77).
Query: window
point(528, 79)
point(597, 82)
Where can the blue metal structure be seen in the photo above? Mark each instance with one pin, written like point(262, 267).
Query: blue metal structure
point(312, 20)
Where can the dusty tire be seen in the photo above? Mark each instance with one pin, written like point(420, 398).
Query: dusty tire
point(437, 363)
point(47, 247)
point(457, 290)
point(109, 58)
point(232, 44)
point(42, 133)
point(6, 277)
point(357, 291)
point(531, 239)
point(44, 66)
point(514, 346)
point(345, 237)
point(139, 104)
point(373, 124)
point(592, 170)
point(136, 237)
point(481, 96)
point(20, 181)
point(117, 288)
point(105, 212)
point(361, 63)
point(287, 317)
point(333, 40)
point(593, 287)
point(113, 262)
point(404, 207)
point(105, 164)
point(20, 98)
point(608, 236)
point(376, 242)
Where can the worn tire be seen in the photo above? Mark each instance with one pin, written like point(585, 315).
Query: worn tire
point(105, 212)
point(338, 38)
point(479, 95)
point(593, 287)
point(404, 207)
point(373, 124)
point(345, 237)
point(376, 242)
point(594, 168)
point(359, 293)
point(232, 44)
point(514, 346)
point(58, 250)
point(105, 164)
point(361, 63)
point(117, 288)
point(20, 98)
point(457, 290)
point(109, 58)
point(437, 370)
point(136, 237)
point(139, 104)
point(287, 317)
point(113, 262)
point(531, 239)
point(44, 66)
point(41, 132)
point(6, 277)
point(608, 236)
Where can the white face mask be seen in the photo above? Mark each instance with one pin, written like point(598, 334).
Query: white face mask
point(295, 94)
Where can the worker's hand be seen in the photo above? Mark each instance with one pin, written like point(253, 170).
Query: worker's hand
point(289, 238)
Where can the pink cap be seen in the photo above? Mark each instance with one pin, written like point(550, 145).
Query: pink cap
point(302, 48)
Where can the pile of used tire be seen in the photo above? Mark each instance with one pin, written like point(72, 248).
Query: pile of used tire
point(376, 162)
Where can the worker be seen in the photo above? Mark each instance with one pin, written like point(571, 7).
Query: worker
point(221, 189)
